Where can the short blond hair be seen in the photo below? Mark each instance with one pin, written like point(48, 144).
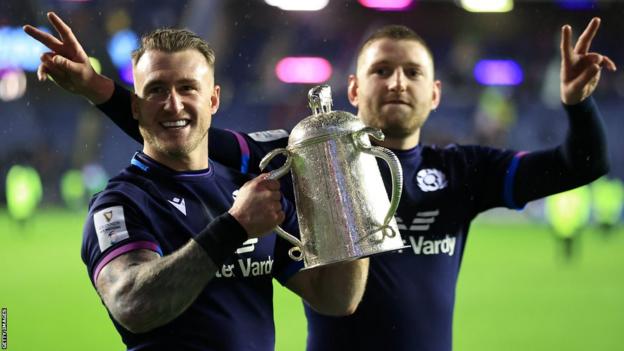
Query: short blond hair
point(174, 40)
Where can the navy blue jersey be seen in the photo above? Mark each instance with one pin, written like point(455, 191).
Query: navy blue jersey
point(148, 206)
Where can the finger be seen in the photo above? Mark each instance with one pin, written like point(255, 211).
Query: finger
point(279, 217)
point(66, 65)
point(566, 47)
point(275, 206)
point(584, 41)
point(270, 184)
point(609, 64)
point(44, 38)
point(41, 73)
point(53, 71)
point(63, 29)
point(275, 196)
point(593, 57)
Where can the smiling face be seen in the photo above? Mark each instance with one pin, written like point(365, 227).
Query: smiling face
point(394, 89)
point(176, 98)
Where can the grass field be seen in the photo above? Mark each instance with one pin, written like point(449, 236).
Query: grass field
point(516, 291)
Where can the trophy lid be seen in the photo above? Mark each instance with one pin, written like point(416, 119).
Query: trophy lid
point(323, 123)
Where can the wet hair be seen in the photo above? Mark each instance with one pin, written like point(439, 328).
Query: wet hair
point(172, 40)
point(394, 32)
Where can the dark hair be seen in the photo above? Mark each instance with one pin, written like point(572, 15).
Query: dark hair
point(394, 32)
point(174, 40)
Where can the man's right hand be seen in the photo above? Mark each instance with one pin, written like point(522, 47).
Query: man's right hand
point(257, 206)
point(68, 63)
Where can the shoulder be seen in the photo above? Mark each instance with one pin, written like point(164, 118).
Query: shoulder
point(126, 188)
point(462, 153)
point(230, 175)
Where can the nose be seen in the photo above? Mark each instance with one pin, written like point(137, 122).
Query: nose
point(173, 103)
point(397, 81)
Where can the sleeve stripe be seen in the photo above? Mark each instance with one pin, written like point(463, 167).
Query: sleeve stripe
point(244, 148)
point(509, 181)
point(137, 245)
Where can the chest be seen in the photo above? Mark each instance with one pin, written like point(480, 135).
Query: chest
point(181, 212)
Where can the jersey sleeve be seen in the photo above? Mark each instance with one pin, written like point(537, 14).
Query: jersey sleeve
point(245, 151)
point(579, 160)
point(113, 228)
point(285, 267)
point(119, 109)
point(488, 173)
point(520, 177)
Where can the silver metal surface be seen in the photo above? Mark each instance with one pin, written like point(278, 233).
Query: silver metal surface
point(342, 206)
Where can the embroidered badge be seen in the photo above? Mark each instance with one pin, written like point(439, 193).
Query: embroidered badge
point(430, 179)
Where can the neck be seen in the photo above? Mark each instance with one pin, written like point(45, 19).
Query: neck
point(194, 161)
point(401, 143)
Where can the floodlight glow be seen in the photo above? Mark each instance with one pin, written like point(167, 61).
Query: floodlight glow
point(120, 47)
point(498, 72)
point(487, 5)
point(23, 191)
point(18, 49)
point(569, 212)
point(125, 73)
point(306, 5)
point(94, 177)
point(303, 70)
point(577, 4)
point(608, 200)
point(12, 84)
point(73, 189)
point(387, 5)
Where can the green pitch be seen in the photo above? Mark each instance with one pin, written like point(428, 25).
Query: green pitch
point(516, 291)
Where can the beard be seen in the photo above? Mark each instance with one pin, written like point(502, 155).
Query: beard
point(396, 124)
point(171, 149)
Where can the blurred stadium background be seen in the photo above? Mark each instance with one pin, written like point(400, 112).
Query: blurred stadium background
point(546, 278)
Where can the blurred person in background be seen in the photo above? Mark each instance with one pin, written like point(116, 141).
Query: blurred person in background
point(410, 295)
point(180, 248)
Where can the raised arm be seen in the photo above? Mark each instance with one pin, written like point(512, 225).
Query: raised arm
point(143, 291)
point(583, 156)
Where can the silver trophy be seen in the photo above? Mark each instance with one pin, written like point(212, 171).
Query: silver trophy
point(342, 205)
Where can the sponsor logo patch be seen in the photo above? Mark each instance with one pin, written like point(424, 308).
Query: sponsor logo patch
point(110, 226)
point(179, 204)
point(248, 246)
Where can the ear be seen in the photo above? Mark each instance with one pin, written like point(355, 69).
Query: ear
point(215, 99)
point(352, 90)
point(436, 94)
point(136, 109)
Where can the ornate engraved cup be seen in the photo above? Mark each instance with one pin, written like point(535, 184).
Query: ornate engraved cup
point(342, 206)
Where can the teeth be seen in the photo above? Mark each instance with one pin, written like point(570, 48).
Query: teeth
point(179, 123)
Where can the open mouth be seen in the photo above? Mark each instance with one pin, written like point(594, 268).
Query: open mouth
point(181, 123)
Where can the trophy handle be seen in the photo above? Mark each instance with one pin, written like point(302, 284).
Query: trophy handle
point(296, 252)
point(396, 171)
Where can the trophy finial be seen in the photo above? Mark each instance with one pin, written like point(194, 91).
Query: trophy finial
point(319, 99)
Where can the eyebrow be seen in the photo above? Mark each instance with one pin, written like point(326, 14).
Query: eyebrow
point(386, 62)
point(162, 82)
